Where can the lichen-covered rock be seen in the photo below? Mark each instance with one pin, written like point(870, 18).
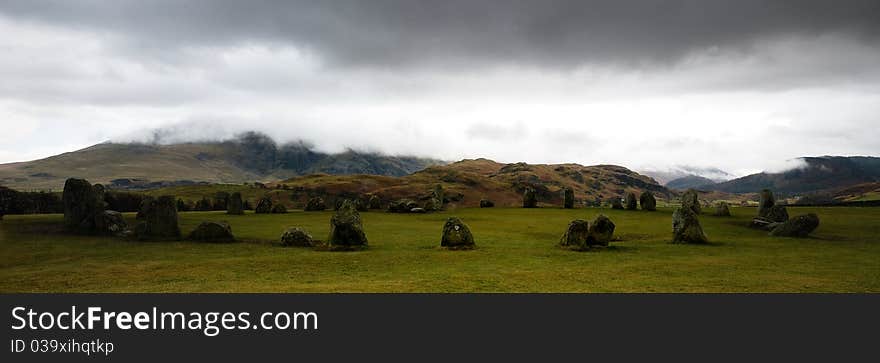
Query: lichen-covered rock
point(82, 204)
point(264, 206)
point(647, 201)
point(530, 198)
point(435, 201)
point(160, 220)
point(346, 229)
point(110, 222)
point(297, 237)
point(456, 235)
point(722, 209)
point(616, 203)
point(800, 226)
point(576, 235)
point(234, 205)
point(686, 227)
point(315, 204)
point(402, 206)
point(776, 213)
point(279, 209)
point(766, 202)
point(601, 231)
point(630, 201)
point(567, 198)
point(214, 232)
point(691, 200)
point(485, 203)
point(374, 202)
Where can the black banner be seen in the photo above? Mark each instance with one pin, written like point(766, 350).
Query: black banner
point(457, 327)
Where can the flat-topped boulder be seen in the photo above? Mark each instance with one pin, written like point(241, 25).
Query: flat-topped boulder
point(297, 237)
point(315, 204)
point(213, 232)
point(800, 226)
point(456, 235)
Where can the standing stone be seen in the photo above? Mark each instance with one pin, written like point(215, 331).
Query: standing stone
point(160, 220)
point(297, 237)
point(221, 201)
point(346, 229)
point(647, 201)
point(576, 235)
point(315, 204)
point(691, 200)
point(144, 209)
point(601, 231)
point(435, 201)
point(214, 232)
point(616, 203)
point(264, 206)
point(686, 227)
point(456, 235)
point(182, 206)
point(800, 226)
point(631, 202)
point(204, 205)
point(235, 205)
point(530, 198)
point(374, 202)
point(82, 204)
point(722, 209)
point(766, 202)
point(567, 198)
point(485, 203)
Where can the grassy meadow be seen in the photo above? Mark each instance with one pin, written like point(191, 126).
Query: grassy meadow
point(516, 252)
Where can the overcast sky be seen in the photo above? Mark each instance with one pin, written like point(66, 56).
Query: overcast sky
point(738, 85)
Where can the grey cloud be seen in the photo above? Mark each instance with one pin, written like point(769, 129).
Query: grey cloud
point(400, 33)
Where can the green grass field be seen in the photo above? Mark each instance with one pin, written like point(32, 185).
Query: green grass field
point(516, 252)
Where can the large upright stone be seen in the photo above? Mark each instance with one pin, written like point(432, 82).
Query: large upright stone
point(601, 231)
point(82, 204)
point(160, 220)
point(346, 229)
point(456, 235)
point(213, 232)
point(691, 200)
point(567, 198)
point(235, 205)
point(315, 204)
point(631, 202)
point(647, 201)
point(576, 235)
point(530, 198)
point(686, 227)
point(766, 202)
point(264, 206)
point(800, 226)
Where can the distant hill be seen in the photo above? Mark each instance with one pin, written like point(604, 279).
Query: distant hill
point(665, 176)
point(690, 181)
point(826, 173)
point(465, 183)
point(250, 157)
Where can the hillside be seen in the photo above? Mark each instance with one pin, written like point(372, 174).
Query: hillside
point(690, 181)
point(465, 183)
point(251, 157)
point(819, 174)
